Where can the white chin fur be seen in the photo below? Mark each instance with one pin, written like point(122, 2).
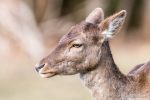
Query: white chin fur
point(47, 75)
point(43, 75)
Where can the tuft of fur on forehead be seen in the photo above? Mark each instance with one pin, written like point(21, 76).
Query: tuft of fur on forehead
point(90, 31)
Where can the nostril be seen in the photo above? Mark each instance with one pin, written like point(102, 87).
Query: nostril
point(39, 67)
point(36, 69)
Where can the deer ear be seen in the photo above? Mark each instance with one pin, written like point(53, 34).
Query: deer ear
point(95, 17)
point(111, 25)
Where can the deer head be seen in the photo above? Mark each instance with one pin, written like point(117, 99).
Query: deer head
point(80, 49)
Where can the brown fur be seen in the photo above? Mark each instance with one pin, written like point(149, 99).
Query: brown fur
point(107, 82)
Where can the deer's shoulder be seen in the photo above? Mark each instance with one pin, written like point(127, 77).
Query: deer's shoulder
point(141, 71)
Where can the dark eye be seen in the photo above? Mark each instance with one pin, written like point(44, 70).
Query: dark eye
point(76, 45)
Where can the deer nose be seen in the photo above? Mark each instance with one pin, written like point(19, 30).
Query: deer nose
point(39, 66)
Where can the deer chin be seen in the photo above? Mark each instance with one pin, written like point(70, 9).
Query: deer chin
point(47, 75)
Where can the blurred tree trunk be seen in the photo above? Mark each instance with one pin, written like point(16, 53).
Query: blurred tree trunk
point(69, 6)
point(40, 7)
point(146, 21)
point(74, 7)
point(21, 25)
point(136, 17)
point(46, 9)
point(112, 7)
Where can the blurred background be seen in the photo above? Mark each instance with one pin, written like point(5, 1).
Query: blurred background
point(29, 29)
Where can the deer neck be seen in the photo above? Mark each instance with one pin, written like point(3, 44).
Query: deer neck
point(106, 78)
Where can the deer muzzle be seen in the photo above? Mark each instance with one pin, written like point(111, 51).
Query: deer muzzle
point(44, 70)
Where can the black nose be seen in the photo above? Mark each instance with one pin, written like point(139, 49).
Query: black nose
point(38, 67)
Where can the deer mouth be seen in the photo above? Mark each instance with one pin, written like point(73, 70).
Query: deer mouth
point(45, 71)
point(47, 74)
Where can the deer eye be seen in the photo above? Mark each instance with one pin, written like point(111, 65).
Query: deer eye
point(77, 45)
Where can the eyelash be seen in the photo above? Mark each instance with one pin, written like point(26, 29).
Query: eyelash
point(76, 45)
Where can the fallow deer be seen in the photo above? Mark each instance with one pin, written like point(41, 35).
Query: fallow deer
point(85, 50)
